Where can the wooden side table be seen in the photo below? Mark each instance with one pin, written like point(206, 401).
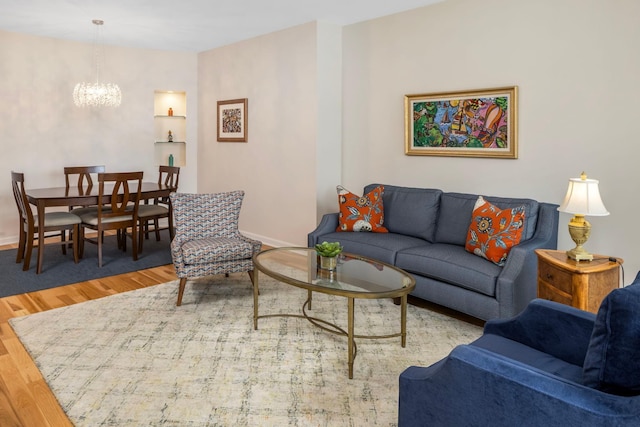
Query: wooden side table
point(581, 284)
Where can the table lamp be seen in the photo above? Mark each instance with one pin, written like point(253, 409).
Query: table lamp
point(582, 199)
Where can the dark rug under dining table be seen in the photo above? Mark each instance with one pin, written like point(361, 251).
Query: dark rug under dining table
point(59, 269)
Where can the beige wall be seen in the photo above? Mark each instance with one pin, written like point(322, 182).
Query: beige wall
point(277, 167)
point(576, 64)
point(41, 130)
point(317, 119)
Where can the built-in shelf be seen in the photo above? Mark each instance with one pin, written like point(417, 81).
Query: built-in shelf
point(176, 124)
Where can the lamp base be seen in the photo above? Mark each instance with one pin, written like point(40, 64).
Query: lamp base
point(579, 254)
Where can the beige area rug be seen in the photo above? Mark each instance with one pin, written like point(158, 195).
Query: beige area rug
point(135, 359)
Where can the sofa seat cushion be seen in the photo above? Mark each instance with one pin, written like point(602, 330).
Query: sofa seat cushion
point(379, 246)
point(410, 211)
point(456, 210)
point(451, 264)
point(529, 356)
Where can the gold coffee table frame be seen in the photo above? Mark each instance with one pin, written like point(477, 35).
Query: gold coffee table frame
point(355, 277)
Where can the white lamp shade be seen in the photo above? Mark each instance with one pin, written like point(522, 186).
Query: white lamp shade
point(583, 198)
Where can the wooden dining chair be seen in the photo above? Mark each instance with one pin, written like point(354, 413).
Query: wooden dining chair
point(118, 203)
point(156, 209)
point(83, 181)
point(53, 221)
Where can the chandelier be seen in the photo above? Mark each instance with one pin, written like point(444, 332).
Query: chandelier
point(97, 94)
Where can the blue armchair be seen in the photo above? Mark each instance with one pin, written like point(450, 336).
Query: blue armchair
point(552, 365)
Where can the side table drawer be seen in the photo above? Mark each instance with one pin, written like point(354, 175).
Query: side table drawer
point(555, 277)
point(548, 292)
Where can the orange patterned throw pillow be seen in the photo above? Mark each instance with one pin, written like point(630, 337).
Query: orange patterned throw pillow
point(361, 213)
point(493, 232)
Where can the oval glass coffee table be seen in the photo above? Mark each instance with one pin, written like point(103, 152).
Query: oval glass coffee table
point(354, 277)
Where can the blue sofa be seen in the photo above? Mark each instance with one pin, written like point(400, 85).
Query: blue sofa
point(553, 365)
point(427, 235)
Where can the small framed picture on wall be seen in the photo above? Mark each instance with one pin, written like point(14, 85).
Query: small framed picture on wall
point(232, 120)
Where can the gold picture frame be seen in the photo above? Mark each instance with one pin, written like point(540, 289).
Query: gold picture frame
point(473, 123)
point(232, 120)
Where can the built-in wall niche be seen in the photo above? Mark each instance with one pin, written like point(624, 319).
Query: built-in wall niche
point(170, 127)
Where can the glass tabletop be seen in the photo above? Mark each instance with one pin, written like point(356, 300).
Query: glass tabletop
point(354, 275)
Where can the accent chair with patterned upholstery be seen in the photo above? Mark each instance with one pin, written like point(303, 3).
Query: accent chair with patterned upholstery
point(207, 240)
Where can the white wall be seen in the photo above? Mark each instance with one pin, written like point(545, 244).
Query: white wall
point(576, 63)
point(279, 74)
point(41, 130)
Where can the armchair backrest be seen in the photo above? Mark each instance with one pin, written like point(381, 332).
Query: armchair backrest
point(199, 216)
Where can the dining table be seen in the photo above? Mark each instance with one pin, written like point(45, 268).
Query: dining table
point(43, 198)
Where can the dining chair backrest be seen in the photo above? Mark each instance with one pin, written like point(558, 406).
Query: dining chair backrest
point(169, 176)
point(84, 175)
point(20, 196)
point(119, 202)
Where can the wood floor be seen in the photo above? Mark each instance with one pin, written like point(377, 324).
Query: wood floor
point(25, 398)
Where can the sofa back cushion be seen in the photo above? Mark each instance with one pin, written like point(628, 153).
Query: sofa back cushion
point(410, 211)
point(456, 210)
point(612, 360)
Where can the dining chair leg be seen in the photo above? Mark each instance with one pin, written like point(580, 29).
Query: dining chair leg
point(74, 238)
point(100, 239)
point(21, 245)
point(141, 237)
point(27, 255)
point(156, 224)
point(63, 240)
point(134, 241)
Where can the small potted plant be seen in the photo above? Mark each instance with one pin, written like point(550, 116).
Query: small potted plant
point(328, 252)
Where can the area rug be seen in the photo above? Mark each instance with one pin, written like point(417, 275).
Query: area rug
point(59, 269)
point(135, 359)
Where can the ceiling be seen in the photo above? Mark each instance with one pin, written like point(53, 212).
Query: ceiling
point(187, 25)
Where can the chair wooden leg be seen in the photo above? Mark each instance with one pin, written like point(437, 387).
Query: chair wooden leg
point(27, 255)
point(134, 241)
point(63, 240)
point(183, 282)
point(156, 225)
point(100, 239)
point(80, 241)
point(74, 238)
point(141, 233)
point(21, 246)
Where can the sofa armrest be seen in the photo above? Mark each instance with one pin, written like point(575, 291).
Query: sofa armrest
point(475, 387)
point(553, 328)
point(517, 284)
point(328, 224)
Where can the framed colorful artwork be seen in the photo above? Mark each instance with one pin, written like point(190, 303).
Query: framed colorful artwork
point(476, 123)
point(232, 120)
